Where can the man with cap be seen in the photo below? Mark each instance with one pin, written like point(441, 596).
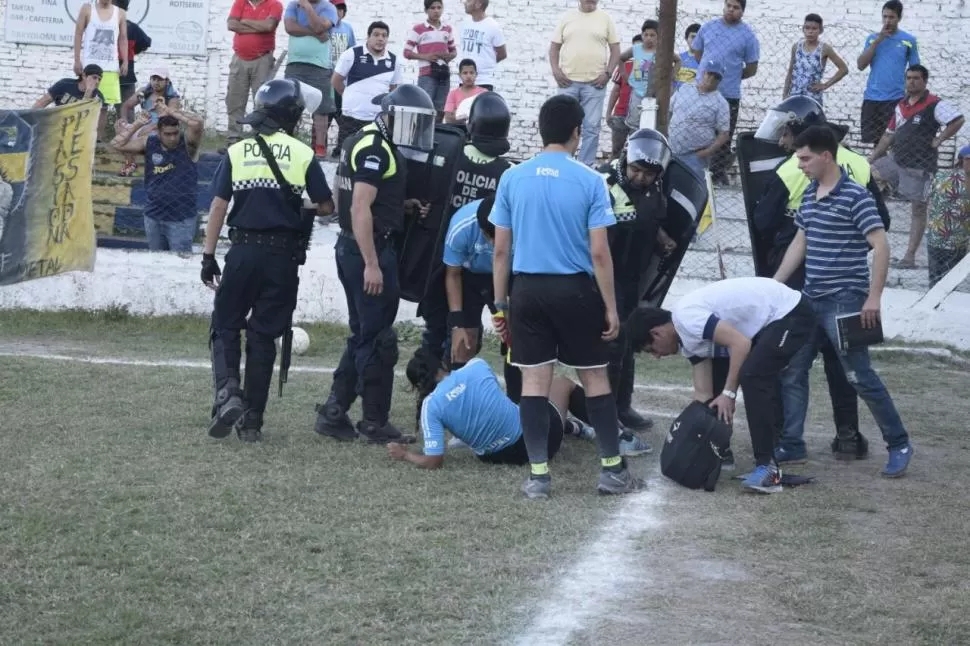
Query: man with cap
point(265, 177)
point(71, 90)
point(371, 203)
point(774, 220)
point(948, 224)
point(700, 120)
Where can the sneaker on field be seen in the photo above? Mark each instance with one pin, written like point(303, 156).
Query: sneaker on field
point(764, 479)
point(536, 488)
point(632, 446)
point(898, 461)
point(787, 456)
point(619, 482)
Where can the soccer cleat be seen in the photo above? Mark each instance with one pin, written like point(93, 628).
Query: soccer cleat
point(632, 446)
point(613, 483)
point(577, 428)
point(786, 456)
point(633, 420)
point(765, 478)
point(537, 488)
point(898, 461)
point(229, 409)
point(333, 422)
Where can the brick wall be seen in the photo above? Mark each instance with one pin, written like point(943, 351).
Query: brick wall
point(26, 70)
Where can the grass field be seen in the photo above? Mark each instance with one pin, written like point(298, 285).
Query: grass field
point(122, 522)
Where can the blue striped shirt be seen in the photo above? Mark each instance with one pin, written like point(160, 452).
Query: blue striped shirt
point(835, 229)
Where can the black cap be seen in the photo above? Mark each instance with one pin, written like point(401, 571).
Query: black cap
point(92, 69)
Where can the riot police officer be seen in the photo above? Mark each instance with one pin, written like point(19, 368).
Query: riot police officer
point(372, 183)
point(477, 173)
point(640, 207)
point(269, 236)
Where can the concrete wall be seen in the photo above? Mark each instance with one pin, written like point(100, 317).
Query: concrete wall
point(26, 70)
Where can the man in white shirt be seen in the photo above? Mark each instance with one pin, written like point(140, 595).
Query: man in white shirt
point(481, 40)
point(361, 74)
point(762, 323)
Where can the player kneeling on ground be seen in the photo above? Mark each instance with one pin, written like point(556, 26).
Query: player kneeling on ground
point(471, 405)
point(763, 324)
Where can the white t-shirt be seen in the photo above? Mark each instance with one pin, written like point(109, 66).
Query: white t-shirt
point(477, 41)
point(366, 76)
point(748, 304)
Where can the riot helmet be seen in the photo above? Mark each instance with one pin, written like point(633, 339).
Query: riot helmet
point(796, 113)
point(279, 104)
point(408, 117)
point(489, 117)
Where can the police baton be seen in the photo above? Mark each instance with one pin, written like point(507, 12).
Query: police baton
point(286, 351)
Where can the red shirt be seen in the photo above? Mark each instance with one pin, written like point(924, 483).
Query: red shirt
point(249, 47)
point(620, 109)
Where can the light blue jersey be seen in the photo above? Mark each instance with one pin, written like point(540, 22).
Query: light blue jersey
point(887, 71)
point(734, 46)
point(465, 244)
point(551, 203)
point(470, 404)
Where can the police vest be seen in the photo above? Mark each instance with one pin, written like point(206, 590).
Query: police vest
point(476, 178)
point(258, 199)
point(388, 207)
point(637, 219)
point(796, 181)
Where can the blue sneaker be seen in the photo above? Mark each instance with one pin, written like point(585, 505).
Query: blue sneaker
point(898, 461)
point(788, 456)
point(764, 479)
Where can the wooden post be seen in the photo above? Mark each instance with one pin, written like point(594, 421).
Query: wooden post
point(663, 70)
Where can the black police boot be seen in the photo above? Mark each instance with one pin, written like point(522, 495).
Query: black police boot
point(334, 422)
point(375, 433)
point(250, 427)
point(850, 444)
point(227, 410)
point(633, 420)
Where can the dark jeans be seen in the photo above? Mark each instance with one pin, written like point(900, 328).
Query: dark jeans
point(347, 127)
point(366, 367)
point(723, 158)
point(476, 293)
point(257, 293)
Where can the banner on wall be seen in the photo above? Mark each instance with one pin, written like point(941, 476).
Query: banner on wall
point(175, 26)
point(46, 163)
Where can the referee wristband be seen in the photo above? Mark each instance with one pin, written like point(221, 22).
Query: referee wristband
point(456, 319)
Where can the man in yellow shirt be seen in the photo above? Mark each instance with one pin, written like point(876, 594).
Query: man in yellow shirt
point(585, 50)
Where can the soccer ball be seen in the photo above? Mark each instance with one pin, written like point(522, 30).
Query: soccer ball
point(301, 341)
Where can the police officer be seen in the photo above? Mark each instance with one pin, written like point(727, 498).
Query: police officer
point(478, 170)
point(637, 195)
point(774, 220)
point(269, 235)
point(372, 182)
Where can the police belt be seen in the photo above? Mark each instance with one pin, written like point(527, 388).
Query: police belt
point(276, 238)
point(379, 236)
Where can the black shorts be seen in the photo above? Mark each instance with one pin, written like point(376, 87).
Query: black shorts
point(557, 318)
point(516, 452)
point(875, 119)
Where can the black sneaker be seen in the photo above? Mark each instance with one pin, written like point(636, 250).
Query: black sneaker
point(855, 447)
point(375, 434)
point(228, 410)
point(333, 422)
point(249, 428)
point(633, 420)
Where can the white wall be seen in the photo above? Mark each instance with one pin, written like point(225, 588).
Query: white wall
point(26, 70)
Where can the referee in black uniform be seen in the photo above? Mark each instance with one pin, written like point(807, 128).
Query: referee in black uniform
point(563, 304)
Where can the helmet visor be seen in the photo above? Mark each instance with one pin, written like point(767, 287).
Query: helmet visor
point(773, 126)
point(648, 152)
point(312, 97)
point(412, 127)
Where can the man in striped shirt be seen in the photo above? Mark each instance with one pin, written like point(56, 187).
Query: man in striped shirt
point(837, 224)
point(432, 44)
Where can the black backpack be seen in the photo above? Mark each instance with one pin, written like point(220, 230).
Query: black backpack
point(692, 452)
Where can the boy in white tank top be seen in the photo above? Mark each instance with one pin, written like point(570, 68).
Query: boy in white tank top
point(101, 38)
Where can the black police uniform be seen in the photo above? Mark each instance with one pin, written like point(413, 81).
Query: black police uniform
point(639, 216)
point(367, 365)
point(259, 283)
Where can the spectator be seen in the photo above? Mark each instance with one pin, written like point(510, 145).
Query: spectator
point(341, 39)
point(100, 38)
point(456, 108)
point(254, 23)
point(889, 53)
point(700, 120)
point(808, 59)
point(70, 90)
point(584, 52)
point(308, 23)
point(948, 230)
point(157, 94)
point(686, 67)
point(361, 74)
point(138, 42)
point(914, 143)
point(640, 77)
point(171, 177)
point(482, 41)
point(734, 44)
point(619, 102)
point(432, 44)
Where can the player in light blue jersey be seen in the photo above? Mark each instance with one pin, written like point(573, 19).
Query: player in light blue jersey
point(471, 405)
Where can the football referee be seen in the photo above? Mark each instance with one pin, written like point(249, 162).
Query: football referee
point(562, 306)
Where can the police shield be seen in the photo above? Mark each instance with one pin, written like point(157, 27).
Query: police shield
point(430, 180)
point(686, 198)
point(758, 160)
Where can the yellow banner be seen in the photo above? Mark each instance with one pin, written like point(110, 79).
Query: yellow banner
point(46, 162)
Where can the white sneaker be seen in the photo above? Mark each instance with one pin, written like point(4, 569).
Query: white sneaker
point(456, 443)
point(634, 447)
